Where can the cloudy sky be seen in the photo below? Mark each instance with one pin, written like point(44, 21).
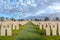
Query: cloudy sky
point(28, 8)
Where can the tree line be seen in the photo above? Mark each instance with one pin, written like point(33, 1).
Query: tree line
point(36, 19)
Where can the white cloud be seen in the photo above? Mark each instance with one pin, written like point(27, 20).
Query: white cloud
point(54, 6)
point(34, 5)
point(20, 0)
point(33, 1)
point(29, 2)
point(39, 13)
point(27, 15)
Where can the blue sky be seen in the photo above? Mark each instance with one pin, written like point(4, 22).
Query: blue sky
point(28, 8)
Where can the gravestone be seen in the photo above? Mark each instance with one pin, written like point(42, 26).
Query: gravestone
point(44, 26)
point(40, 26)
point(2, 31)
point(59, 29)
point(6, 28)
point(15, 25)
point(54, 30)
point(47, 30)
point(9, 31)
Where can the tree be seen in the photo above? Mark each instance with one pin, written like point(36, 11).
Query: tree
point(6, 18)
point(40, 20)
point(57, 18)
point(31, 19)
point(2, 18)
point(36, 19)
point(13, 19)
point(19, 19)
point(46, 19)
point(27, 19)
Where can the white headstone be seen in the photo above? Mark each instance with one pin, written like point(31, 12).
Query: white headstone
point(40, 26)
point(59, 29)
point(54, 31)
point(13, 27)
point(5, 28)
point(17, 27)
point(9, 31)
point(2, 31)
point(48, 30)
point(44, 26)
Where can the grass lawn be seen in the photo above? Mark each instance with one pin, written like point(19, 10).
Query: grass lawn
point(29, 31)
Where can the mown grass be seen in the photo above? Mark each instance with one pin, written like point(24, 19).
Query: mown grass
point(29, 33)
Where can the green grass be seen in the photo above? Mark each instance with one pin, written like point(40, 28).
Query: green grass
point(29, 31)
